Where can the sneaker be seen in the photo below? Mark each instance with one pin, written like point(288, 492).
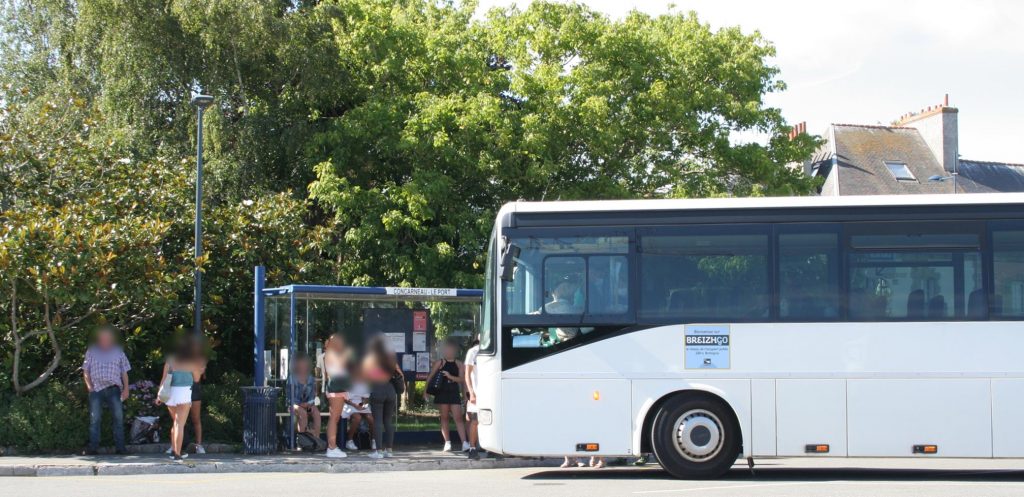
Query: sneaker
point(373, 445)
point(465, 447)
point(474, 454)
point(169, 451)
point(640, 461)
point(336, 453)
point(447, 447)
point(200, 450)
point(184, 455)
point(388, 453)
point(376, 455)
point(350, 445)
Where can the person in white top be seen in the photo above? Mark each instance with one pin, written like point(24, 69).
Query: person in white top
point(471, 407)
point(357, 408)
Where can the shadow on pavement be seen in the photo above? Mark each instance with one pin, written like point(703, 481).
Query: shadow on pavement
point(766, 473)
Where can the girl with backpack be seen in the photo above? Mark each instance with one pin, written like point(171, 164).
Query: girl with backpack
point(445, 384)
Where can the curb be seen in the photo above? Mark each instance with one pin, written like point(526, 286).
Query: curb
point(154, 448)
point(312, 466)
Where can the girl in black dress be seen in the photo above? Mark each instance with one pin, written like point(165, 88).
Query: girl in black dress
point(449, 398)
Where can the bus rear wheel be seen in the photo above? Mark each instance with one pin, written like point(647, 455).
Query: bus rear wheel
point(695, 437)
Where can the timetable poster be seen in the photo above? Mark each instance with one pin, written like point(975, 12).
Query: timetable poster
point(407, 331)
point(419, 341)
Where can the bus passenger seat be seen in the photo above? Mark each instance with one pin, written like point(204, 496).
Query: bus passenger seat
point(937, 307)
point(915, 304)
point(977, 307)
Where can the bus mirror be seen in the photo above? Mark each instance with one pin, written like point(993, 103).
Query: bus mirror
point(508, 261)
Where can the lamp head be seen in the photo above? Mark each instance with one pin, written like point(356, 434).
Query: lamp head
point(935, 177)
point(202, 101)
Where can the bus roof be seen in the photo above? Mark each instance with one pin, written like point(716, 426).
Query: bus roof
point(764, 202)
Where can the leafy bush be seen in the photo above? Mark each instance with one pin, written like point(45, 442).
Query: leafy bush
point(222, 408)
point(54, 417)
point(50, 418)
point(142, 401)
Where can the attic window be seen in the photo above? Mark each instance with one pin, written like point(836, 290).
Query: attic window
point(900, 171)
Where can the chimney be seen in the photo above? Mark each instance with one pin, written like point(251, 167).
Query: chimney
point(938, 127)
point(797, 130)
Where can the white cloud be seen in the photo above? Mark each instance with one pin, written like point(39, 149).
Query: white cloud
point(872, 60)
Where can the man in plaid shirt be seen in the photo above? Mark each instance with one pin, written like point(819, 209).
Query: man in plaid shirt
point(106, 376)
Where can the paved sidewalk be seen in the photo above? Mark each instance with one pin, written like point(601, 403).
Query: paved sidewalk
point(357, 462)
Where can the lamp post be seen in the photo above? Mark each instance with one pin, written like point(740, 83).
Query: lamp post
point(201, 102)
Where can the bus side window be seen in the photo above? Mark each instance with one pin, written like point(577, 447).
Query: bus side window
point(1008, 269)
point(913, 271)
point(714, 273)
point(607, 284)
point(809, 276)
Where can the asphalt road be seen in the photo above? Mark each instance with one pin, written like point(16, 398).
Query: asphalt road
point(803, 477)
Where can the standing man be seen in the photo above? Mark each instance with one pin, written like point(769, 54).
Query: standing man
point(471, 407)
point(106, 376)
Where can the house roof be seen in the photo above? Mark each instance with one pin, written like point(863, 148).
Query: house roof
point(975, 176)
point(861, 153)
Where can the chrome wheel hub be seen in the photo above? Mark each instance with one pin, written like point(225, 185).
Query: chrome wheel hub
point(698, 435)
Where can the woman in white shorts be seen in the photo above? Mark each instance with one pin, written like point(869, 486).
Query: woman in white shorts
point(357, 408)
point(185, 368)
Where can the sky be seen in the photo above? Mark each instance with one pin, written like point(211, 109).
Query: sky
point(870, 61)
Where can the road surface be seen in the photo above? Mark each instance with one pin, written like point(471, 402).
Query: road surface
point(780, 477)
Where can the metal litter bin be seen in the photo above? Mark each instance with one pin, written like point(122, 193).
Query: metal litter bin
point(259, 422)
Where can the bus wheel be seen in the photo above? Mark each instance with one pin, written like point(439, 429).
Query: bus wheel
point(695, 437)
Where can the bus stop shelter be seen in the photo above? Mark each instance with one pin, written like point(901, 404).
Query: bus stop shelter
point(294, 320)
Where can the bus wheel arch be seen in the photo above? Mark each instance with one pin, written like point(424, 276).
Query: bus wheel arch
point(705, 414)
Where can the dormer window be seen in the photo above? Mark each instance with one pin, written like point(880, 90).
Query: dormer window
point(899, 170)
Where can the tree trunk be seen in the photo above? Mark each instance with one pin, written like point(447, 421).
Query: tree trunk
point(19, 340)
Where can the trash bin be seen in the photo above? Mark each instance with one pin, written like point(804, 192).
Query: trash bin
point(259, 420)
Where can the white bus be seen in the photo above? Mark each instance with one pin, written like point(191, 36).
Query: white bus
point(707, 330)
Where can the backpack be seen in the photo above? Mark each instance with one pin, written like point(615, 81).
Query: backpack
point(435, 383)
point(364, 440)
point(398, 383)
point(306, 442)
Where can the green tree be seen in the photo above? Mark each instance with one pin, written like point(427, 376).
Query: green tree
point(352, 141)
point(91, 235)
point(455, 116)
point(87, 236)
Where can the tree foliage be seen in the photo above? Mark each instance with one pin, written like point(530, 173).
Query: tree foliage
point(86, 236)
point(453, 117)
point(352, 141)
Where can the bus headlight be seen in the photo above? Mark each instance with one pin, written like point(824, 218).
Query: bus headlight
point(485, 416)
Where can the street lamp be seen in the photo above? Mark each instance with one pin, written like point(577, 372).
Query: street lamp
point(939, 179)
point(201, 102)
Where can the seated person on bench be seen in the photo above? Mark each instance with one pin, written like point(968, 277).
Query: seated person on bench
point(303, 397)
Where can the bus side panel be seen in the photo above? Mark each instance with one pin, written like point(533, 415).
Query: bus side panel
point(888, 417)
point(735, 392)
point(762, 419)
point(811, 412)
point(1007, 413)
point(549, 417)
